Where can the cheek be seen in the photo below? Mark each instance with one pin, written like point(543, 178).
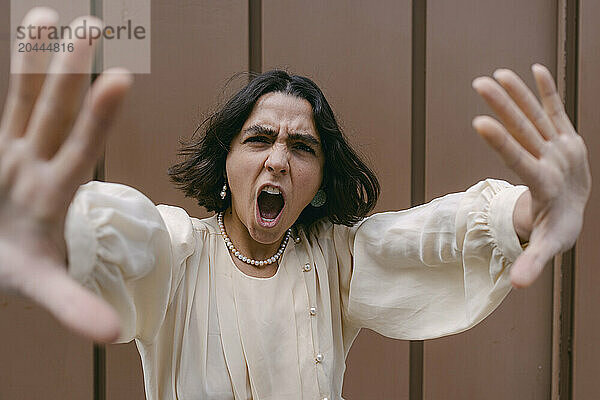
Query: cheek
point(310, 178)
point(241, 168)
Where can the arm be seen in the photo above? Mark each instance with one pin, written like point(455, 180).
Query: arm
point(522, 217)
point(432, 270)
point(130, 252)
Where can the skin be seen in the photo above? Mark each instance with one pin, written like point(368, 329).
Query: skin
point(539, 143)
point(279, 145)
point(43, 160)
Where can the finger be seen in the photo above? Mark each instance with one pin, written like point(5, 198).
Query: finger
point(27, 76)
point(59, 100)
point(513, 154)
point(72, 305)
point(513, 118)
point(530, 264)
point(82, 148)
point(526, 101)
point(551, 100)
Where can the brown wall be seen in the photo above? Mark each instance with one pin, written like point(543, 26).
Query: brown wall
point(38, 358)
point(510, 352)
point(360, 55)
point(586, 354)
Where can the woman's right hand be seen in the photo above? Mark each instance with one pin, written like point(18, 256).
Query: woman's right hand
point(49, 143)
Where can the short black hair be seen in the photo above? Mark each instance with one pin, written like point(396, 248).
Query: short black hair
point(351, 187)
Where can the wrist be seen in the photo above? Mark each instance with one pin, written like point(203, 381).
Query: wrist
point(522, 218)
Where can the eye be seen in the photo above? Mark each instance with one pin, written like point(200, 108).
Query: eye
point(304, 147)
point(257, 139)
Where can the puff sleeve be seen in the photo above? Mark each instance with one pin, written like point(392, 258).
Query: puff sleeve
point(432, 270)
point(129, 251)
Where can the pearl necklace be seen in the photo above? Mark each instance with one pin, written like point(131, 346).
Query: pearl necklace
point(249, 260)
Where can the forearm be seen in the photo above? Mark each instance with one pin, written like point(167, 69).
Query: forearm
point(522, 217)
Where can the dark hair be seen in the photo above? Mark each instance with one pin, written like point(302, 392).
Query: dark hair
point(352, 188)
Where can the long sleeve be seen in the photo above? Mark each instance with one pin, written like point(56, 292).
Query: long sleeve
point(433, 270)
point(128, 251)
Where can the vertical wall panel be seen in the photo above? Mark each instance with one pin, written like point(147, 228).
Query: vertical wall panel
point(39, 358)
point(359, 54)
point(196, 46)
point(509, 354)
point(586, 353)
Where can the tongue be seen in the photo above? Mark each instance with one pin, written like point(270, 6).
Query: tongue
point(270, 205)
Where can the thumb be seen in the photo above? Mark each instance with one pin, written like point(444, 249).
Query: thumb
point(71, 304)
point(530, 264)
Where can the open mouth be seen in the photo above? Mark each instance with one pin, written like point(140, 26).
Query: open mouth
point(270, 204)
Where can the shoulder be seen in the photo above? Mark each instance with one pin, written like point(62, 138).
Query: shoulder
point(340, 236)
point(188, 234)
point(176, 218)
point(207, 226)
point(319, 230)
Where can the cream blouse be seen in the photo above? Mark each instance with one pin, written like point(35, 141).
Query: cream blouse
point(205, 330)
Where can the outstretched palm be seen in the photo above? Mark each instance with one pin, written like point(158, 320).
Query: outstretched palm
point(41, 166)
point(540, 144)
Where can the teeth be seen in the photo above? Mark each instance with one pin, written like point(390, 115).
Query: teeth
point(271, 190)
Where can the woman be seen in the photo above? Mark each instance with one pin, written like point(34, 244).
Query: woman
point(264, 299)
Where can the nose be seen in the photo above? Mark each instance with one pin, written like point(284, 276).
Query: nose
point(277, 162)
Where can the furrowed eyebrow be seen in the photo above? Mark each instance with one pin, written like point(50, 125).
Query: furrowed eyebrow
point(299, 136)
point(254, 129)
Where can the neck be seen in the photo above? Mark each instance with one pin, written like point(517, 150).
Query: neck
point(243, 241)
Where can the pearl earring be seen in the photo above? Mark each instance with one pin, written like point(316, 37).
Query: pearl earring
point(319, 199)
point(223, 193)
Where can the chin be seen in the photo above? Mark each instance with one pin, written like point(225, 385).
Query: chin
point(268, 235)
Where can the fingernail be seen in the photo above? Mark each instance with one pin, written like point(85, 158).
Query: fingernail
point(42, 15)
point(476, 84)
point(537, 67)
point(121, 72)
point(499, 72)
point(477, 121)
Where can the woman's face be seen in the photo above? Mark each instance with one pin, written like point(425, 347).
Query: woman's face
point(274, 166)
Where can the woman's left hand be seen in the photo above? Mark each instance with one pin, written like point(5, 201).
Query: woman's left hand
point(539, 143)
